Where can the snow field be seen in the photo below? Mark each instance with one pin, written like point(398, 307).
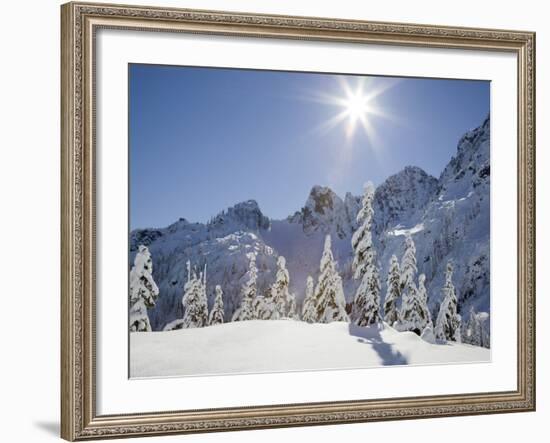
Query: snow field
point(285, 345)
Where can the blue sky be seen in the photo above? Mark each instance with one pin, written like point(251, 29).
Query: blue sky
point(203, 139)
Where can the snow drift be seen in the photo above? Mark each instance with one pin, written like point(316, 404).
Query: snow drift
point(286, 345)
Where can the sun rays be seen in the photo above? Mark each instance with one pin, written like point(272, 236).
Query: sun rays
point(358, 104)
point(358, 109)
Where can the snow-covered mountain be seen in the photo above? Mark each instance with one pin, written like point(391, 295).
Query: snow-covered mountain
point(222, 245)
point(448, 218)
point(453, 224)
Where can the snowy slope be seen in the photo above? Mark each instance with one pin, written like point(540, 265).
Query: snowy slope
point(448, 218)
point(454, 225)
point(285, 345)
point(222, 245)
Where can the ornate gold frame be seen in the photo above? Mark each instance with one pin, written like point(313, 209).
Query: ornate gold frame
point(79, 21)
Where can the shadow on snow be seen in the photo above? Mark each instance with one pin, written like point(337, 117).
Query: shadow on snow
point(371, 335)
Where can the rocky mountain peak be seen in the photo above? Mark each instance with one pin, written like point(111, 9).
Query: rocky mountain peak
point(324, 211)
point(243, 215)
point(402, 194)
point(322, 200)
point(470, 167)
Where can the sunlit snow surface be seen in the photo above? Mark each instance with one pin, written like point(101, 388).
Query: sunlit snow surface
point(413, 230)
point(285, 345)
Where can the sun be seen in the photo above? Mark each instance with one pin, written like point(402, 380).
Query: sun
point(358, 106)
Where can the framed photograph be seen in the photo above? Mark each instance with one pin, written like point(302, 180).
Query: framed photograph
point(282, 221)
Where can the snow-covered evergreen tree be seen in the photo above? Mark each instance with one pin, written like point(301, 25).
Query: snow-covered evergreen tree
point(194, 300)
point(485, 329)
point(246, 311)
point(139, 318)
point(216, 313)
point(428, 334)
point(415, 315)
point(204, 297)
point(391, 313)
point(367, 299)
point(447, 326)
point(366, 304)
point(422, 291)
point(471, 334)
point(423, 296)
point(309, 308)
point(143, 291)
point(191, 295)
point(264, 306)
point(263, 309)
point(476, 330)
point(329, 292)
point(279, 291)
point(291, 304)
point(408, 264)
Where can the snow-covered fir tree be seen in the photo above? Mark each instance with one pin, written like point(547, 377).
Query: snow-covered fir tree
point(367, 299)
point(139, 318)
point(391, 313)
point(485, 323)
point(246, 310)
point(194, 299)
point(366, 304)
point(447, 327)
point(263, 310)
point(408, 264)
point(309, 308)
point(264, 306)
point(291, 304)
point(476, 329)
point(428, 334)
point(143, 291)
point(329, 292)
point(415, 315)
point(423, 293)
point(216, 313)
point(279, 291)
point(472, 329)
point(408, 314)
point(423, 296)
point(203, 292)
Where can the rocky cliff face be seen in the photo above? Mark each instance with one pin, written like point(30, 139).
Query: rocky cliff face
point(325, 211)
point(402, 196)
point(243, 216)
point(448, 218)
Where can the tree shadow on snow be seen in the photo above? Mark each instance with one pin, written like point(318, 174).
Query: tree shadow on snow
point(371, 336)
